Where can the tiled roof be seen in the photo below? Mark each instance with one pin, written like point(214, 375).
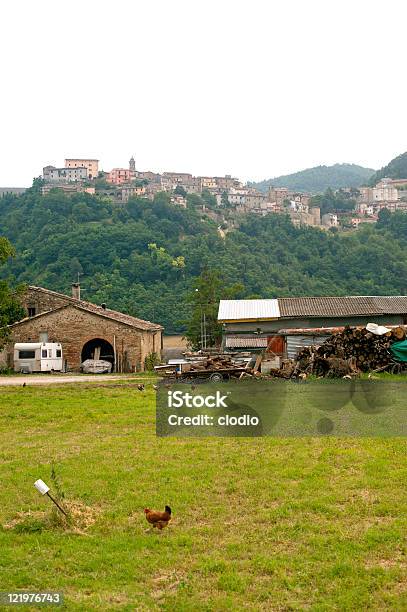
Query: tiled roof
point(118, 316)
point(103, 312)
point(342, 306)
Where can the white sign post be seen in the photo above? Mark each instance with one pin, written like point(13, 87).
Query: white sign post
point(44, 490)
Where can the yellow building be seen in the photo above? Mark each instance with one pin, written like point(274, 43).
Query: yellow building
point(208, 182)
point(92, 166)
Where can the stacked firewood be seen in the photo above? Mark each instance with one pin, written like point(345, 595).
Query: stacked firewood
point(348, 352)
point(215, 362)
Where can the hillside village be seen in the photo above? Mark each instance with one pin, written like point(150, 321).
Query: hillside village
point(227, 198)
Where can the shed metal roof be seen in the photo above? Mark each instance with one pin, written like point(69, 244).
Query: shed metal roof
point(285, 308)
point(342, 306)
point(248, 310)
point(245, 342)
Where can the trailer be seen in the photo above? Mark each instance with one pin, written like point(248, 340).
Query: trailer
point(214, 375)
point(38, 357)
point(184, 371)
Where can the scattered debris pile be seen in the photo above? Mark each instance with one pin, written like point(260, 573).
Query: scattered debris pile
point(347, 353)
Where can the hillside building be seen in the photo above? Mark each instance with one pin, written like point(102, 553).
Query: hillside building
point(50, 174)
point(278, 195)
point(380, 193)
point(330, 220)
point(92, 165)
point(120, 176)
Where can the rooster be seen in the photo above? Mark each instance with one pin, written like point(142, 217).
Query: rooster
point(158, 519)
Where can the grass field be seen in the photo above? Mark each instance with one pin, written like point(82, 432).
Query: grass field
point(259, 524)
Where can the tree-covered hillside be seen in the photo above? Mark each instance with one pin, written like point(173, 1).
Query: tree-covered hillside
point(396, 169)
point(320, 178)
point(144, 258)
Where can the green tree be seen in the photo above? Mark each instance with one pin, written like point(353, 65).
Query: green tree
point(384, 218)
point(203, 329)
point(10, 307)
point(38, 183)
point(225, 199)
point(209, 199)
point(331, 201)
point(179, 190)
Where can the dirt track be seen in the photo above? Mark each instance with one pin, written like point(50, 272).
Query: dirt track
point(58, 379)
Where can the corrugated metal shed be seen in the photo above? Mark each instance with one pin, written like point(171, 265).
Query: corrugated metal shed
point(295, 343)
point(248, 310)
point(315, 331)
point(247, 342)
point(342, 306)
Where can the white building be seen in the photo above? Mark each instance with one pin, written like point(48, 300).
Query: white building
point(51, 174)
point(237, 197)
point(383, 191)
point(330, 220)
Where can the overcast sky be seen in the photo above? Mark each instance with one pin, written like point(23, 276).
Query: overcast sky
point(249, 88)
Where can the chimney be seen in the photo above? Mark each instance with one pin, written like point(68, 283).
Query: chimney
point(103, 306)
point(76, 291)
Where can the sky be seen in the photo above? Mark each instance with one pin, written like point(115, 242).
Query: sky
point(255, 88)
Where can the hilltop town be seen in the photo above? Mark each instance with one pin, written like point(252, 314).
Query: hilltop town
point(226, 198)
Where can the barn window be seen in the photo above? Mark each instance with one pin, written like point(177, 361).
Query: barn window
point(26, 354)
point(31, 311)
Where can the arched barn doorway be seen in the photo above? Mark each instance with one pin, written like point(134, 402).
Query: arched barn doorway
point(98, 349)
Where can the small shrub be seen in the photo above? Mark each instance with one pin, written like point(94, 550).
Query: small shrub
point(57, 487)
point(6, 371)
point(150, 361)
point(57, 519)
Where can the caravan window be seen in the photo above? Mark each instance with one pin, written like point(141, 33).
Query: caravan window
point(59, 353)
point(44, 353)
point(26, 354)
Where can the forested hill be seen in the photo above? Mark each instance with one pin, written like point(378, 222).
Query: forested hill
point(320, 178)
point(143, 258)
point(396, 169)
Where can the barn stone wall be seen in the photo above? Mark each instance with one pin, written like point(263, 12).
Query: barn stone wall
point(74, 327)
point(42, 301)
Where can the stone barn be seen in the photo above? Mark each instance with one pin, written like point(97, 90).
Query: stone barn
point(85, 330)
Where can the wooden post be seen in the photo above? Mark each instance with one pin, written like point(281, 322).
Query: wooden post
point(114, 354)
point(56, 503)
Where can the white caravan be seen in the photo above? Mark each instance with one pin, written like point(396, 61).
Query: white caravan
point(38, 357)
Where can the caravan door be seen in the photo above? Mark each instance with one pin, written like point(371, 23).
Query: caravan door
point(51, 357)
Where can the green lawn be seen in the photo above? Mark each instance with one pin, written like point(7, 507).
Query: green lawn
point(259, 523)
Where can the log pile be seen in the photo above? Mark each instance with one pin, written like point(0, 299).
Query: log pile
point(346, 353)
point(225, 364)
point(212, 363)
